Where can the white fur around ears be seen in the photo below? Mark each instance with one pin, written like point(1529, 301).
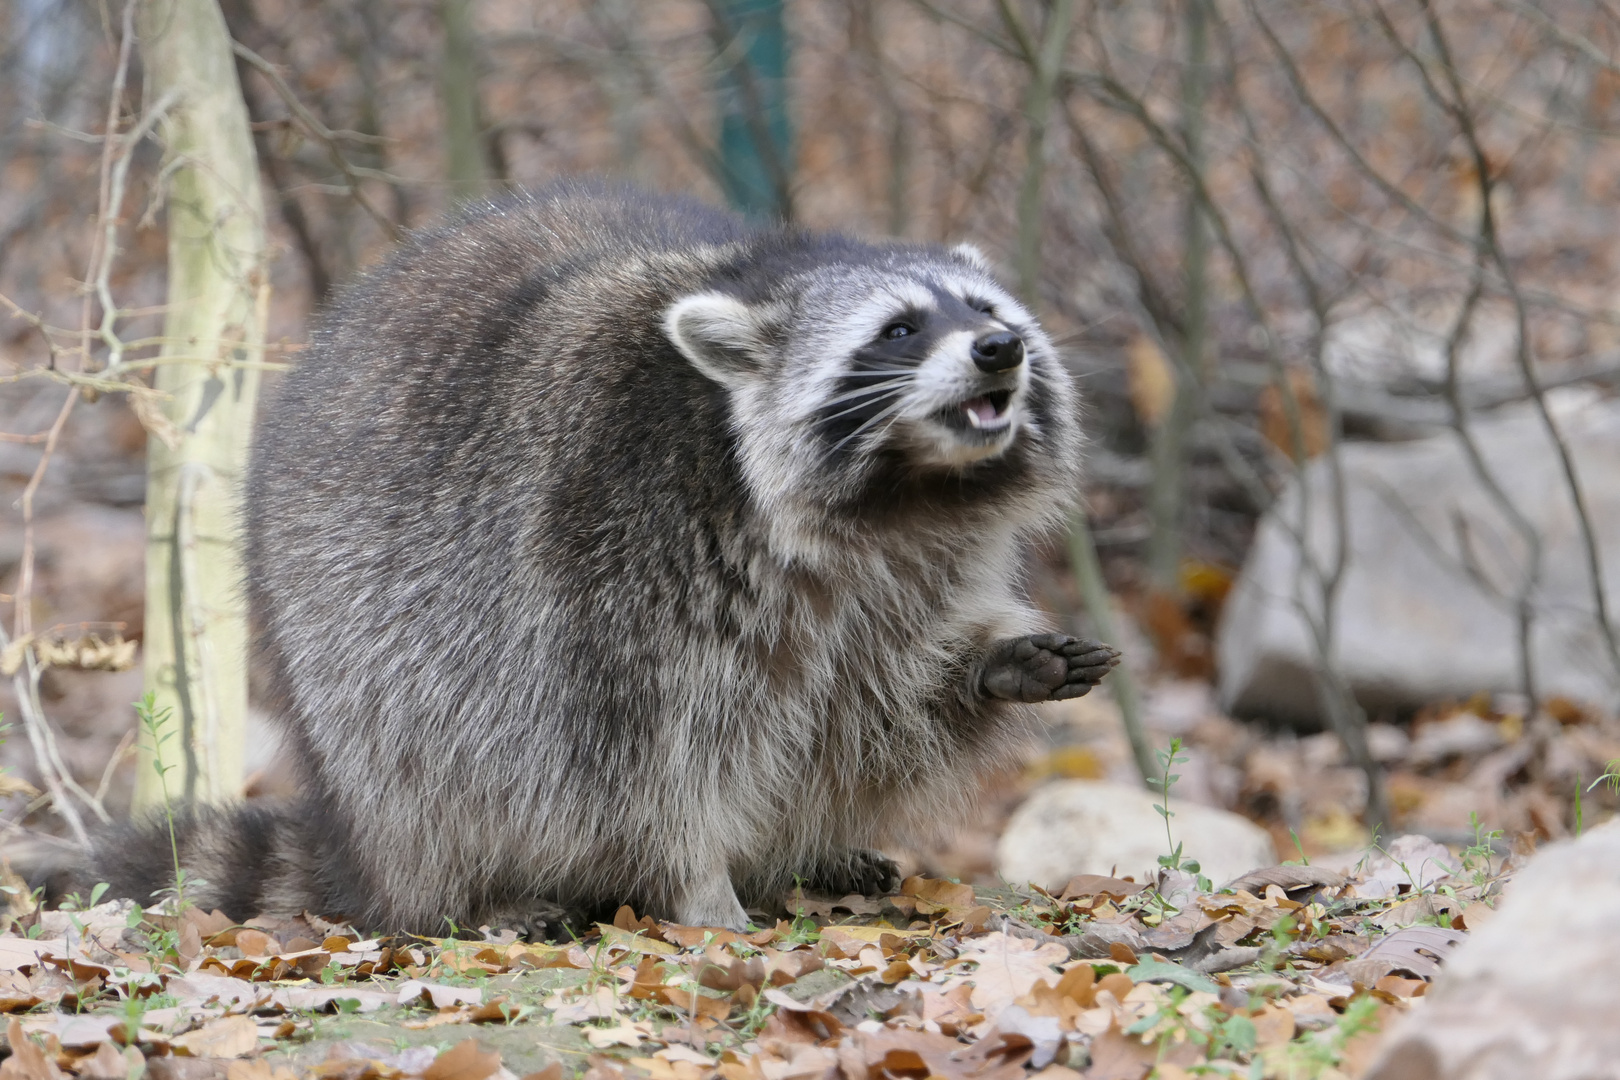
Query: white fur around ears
point(721, 336)
point(970, 253)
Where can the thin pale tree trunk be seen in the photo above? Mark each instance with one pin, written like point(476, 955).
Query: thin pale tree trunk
point(1167, 497)
point(466, 167)
point(196, 623)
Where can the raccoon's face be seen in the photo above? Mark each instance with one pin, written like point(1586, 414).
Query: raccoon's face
point(907, 362)
point(933, 365)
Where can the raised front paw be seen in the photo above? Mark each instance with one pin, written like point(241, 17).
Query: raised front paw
point(1045, 667)
point(858, 870)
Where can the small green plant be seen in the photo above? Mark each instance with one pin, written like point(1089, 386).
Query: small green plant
point(35, 897)
point(1580, 817)
point(1314, 1053)
point(74, 902)
point(511, 1013)
point(754, 1020)
point(804, 930)
point(1167, 760)
point(1476, 858)
point(153, 721)
point(1234, 1036)
point(134, 1004)
point(1304, 859)
point(1611, 775)
point(1220, 1034)
point(1274, 950)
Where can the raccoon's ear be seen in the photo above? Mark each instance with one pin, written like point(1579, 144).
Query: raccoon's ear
point(970, 254)
point(723, 337)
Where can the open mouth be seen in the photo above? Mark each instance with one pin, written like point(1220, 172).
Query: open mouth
point(987, 412)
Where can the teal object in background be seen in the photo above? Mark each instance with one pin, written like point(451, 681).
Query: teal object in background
point(756, 135)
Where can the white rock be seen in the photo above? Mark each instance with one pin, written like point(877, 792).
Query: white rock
point(1413, 625)
point(1464, 735)
point(1095, 827)
point(1536, 990)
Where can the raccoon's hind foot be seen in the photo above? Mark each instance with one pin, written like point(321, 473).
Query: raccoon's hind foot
point(538, 920)
point(1045, 667)
point(858, 870)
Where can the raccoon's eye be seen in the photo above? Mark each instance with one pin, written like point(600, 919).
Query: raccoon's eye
point(983, 307)
point(896, 331)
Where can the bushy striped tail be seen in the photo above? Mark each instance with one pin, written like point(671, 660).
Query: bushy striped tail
point(256, 859)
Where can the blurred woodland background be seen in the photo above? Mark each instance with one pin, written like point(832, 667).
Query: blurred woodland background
point(1337, 280)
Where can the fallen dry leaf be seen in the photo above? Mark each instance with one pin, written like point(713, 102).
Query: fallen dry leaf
point(329, 998)
point(16, 994)
point(1306, 1007)
point(1420, 950)
point(637, 941)
point(625, 919)
point(247, 1070)
point(1474, 915)
point(18, 952)
point(902, 1052)
point(1056, 1072)
point(624, 1033)
point(463, 1061)
point(868, 935)
point(596, 1005)
point(227, 1037)
point(27, 1061)
point(1273, 1025)
point(853, 904)
point(85, 1032)
point(1399, 988)
point(1116, 889)
point(1149, 378)
point(1288, 878)
point(1008, 968)
point(441, 996)
point(1117, 1056)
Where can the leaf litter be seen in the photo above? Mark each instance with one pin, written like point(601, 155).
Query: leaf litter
point(1288, 971)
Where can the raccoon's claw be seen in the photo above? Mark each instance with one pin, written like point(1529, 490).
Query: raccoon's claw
point(859, 870)
point(1045, 667)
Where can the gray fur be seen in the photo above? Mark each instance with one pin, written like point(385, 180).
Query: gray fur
point(561, 615)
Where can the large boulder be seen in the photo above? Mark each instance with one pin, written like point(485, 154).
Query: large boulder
point(1425, 609)
point(1095, 827)
point(1536, 990)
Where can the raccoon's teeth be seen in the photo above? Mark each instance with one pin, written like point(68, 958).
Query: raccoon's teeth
point(981, 412)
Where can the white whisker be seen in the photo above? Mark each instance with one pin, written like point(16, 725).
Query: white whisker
point(885, 414)
point(859, 407)
point(865, 391)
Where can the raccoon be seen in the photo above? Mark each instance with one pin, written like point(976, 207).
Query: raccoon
point(606, 548)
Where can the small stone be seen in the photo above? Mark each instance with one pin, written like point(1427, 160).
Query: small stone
point(1463, 735)
point(1095, 827)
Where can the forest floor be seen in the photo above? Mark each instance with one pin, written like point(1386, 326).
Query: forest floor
point(1290, 971)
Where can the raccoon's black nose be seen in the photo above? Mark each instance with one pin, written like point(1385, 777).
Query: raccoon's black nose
point(1001, 351)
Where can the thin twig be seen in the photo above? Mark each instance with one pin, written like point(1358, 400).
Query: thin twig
point(322, 134)
point(22, 615)
point(1490, 240)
